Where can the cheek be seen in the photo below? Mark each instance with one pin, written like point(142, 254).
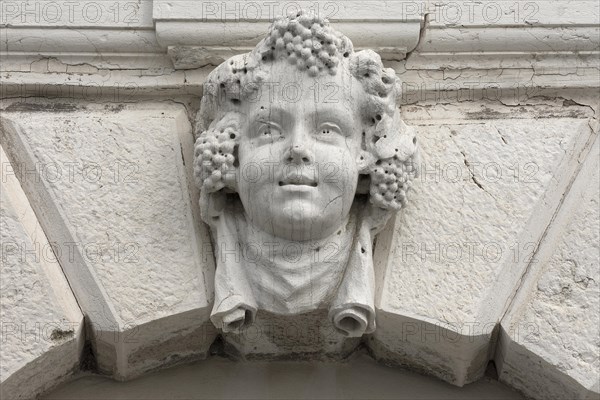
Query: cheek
point(249, 172)
point(256, 182)
point(340, 176)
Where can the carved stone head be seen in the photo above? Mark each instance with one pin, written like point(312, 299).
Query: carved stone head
point(300, 144)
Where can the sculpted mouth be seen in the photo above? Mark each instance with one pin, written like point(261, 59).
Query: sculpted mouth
point(298, 181)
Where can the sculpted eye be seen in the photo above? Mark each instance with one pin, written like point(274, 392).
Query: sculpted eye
point(268, 130)
point(328, 130)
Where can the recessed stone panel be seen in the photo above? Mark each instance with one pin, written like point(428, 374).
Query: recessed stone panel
point(488, 189)
point(110, 185)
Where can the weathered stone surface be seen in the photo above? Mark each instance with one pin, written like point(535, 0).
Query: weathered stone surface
point(488, 189)
point(110, 184)
point(42, 326)
point(550, 339)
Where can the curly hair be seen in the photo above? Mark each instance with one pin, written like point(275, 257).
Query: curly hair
point(389, 152)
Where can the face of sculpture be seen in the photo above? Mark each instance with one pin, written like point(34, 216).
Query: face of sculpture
point(298, 153)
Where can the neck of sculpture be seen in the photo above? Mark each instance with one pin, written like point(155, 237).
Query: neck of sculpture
point(266, 248)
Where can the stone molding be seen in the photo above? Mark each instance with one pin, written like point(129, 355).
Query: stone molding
point(546, 45)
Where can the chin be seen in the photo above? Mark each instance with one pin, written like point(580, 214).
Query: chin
point(297, 210)
point(292, 227)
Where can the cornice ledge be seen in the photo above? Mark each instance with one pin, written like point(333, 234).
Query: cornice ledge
point(206, 33)
point(551, 39)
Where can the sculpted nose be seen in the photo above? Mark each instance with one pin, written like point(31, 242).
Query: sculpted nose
point(299, 154)
point(298, 151)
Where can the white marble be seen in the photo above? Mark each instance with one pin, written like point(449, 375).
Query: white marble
point(279, 172)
